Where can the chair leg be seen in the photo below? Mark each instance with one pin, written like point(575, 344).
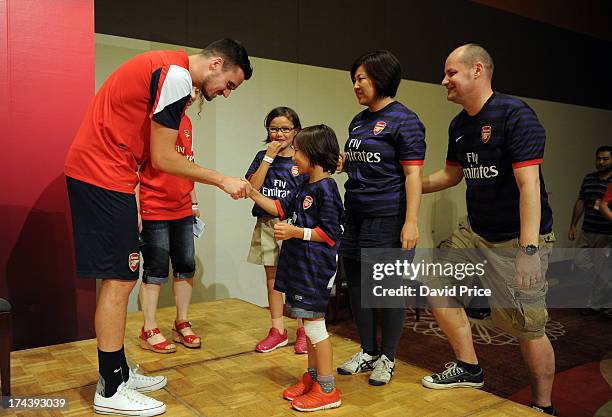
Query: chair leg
point(5, 353)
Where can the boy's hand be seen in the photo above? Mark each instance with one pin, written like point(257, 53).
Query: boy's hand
point(236, 187)
point(284, 231)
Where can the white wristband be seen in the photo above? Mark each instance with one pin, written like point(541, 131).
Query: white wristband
point(268, 159)
point(307, 233)
point(195, 206)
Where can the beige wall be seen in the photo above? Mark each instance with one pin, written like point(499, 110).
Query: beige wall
point(229, 133)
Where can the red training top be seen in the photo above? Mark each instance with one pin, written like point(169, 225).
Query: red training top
point(113, 138)
point(164, 196)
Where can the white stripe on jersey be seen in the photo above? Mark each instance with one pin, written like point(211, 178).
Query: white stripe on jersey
point(177, 85)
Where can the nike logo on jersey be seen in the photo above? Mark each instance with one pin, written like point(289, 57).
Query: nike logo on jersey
point(356, 127)
point(117, 370)
point(458, 139)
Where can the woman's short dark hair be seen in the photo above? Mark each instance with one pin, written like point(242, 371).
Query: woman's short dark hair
point(320, 145)
point(282, 111)
point(383, 68)
point(232, 52)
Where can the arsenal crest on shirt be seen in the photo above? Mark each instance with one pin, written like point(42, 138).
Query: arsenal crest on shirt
point(133, 261)
point(379, 127)
point(307, 202)
point(295, 171)
point(187, 134)
point(485, 133)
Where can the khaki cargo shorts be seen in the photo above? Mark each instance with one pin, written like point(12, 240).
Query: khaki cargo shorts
point(264, 248)
point(521, 313)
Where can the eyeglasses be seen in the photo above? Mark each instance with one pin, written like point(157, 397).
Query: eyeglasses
point(280, 129)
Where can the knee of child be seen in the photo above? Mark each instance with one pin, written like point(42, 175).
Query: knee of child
point(315, 330)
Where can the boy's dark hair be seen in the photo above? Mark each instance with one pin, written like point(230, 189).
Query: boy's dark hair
point(383, 68)
point(320, 145)
point(604, 148)
point(232, 52)
point(287, 112)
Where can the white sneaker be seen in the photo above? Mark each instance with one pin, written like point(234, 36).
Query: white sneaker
point(383, 371)
point(127, 402)
point(143, 383)
point(360, 362)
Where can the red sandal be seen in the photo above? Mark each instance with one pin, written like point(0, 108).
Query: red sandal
point(190, 340)
point(165, 346)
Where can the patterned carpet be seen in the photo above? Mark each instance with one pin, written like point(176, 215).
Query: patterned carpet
point(583, 349)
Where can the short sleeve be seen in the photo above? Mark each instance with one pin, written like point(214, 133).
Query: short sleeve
point(285, 205)
point(170, 91)
point(525, 137)
point(410, 141)
point(254, 165)
point(329, 206)
point(451, 150)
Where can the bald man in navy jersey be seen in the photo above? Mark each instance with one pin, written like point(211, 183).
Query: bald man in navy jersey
point(496, 143)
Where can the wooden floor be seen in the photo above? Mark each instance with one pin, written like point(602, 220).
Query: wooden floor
point(227, 378)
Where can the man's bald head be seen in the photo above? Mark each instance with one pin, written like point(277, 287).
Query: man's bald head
point(467, 77)
point(472, 53)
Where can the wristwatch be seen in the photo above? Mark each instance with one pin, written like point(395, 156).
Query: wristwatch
point(530, 249)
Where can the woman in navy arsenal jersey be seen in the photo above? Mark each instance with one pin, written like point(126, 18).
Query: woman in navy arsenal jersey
point(274, 173)
point(308, 259)
point(383, 158)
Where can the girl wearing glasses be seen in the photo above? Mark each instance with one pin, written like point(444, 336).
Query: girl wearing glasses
point(274, 173)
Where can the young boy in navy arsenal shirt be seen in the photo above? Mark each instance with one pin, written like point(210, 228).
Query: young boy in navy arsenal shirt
point(308, 259)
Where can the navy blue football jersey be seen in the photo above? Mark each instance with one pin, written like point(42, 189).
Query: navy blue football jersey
point(281, 179)
point(504, 135)
point(379, 143)
point(305, 268)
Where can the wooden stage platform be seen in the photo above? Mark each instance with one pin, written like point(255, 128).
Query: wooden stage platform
point(227, 378)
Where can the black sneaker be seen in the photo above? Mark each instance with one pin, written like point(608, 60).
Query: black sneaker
point(553, 412)
point(453, 377)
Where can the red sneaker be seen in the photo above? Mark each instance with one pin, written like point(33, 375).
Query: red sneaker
point(272, 341)
point(300, 388)
point(316, 399)
point(301, 346)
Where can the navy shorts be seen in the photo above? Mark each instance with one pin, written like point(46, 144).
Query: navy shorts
point(166, 240)
point(105, 228)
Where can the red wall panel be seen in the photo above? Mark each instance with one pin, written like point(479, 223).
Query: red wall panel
point(46, 83)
